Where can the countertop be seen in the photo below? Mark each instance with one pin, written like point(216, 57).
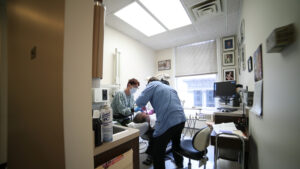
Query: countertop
point(118, 139)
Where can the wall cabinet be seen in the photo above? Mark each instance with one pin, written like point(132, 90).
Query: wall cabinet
point(98, 40)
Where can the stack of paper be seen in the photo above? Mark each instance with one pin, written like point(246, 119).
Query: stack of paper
point(227, 128)
point(224, 128)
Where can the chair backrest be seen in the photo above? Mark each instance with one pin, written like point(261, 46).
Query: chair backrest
point(201, 139)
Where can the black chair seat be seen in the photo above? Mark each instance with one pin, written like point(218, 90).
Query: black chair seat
point(123, 120)
point(120, 116)
point(189, 151)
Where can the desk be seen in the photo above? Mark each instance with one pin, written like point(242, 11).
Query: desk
point(237, 117)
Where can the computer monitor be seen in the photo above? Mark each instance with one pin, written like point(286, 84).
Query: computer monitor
point(225, 90)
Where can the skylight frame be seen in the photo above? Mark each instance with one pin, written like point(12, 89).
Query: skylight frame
point(176, 16)
point(136, 16)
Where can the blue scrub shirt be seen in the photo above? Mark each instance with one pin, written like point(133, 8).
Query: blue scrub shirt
point(166, 104)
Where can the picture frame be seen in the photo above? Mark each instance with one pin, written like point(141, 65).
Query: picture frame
point(242, 31)
point(228, 59)
point(258, 64)
point(250, 65)
point(239, 64)
point(229, 74)
point(228, 43)
point(243, 57)
point(164, 65)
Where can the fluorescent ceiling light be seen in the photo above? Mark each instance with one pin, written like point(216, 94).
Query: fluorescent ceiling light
point(170, 12)
point(137, 17)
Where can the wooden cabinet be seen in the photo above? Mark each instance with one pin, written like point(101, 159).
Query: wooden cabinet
point(122, 142)
point(98, 40)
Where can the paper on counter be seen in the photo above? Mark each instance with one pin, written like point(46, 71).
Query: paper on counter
point(224, 127)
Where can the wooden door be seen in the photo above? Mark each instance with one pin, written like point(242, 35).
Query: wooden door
point(35, 58)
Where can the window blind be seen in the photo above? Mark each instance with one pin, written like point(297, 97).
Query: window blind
point(196, 59)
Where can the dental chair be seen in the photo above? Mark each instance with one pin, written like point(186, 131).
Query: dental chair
point(196, 148)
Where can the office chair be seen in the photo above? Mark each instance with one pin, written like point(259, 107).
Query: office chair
point(196, 148)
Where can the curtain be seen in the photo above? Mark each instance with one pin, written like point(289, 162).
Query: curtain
point(196, 59)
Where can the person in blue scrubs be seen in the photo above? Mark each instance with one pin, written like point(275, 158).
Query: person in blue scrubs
point(170, 120)
point(123, 102)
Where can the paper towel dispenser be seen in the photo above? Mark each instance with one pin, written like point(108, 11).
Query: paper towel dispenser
point(100, 95)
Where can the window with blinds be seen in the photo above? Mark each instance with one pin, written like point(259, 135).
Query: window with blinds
point(196, 59)
point(196, 72)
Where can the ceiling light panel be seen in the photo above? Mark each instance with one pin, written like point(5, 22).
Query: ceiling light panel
point(137, 17)
point(170, 12)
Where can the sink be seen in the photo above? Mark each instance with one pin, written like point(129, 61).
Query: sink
point(118, 129)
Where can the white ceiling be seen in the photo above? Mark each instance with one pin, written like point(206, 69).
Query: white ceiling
point(206, 28)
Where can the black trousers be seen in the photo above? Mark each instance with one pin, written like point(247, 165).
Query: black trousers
point(149, 134)
point(160, 143)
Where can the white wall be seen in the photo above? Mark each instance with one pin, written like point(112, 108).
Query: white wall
point(136, 60)
point(166, 54)
point(274, 137)
point(77, 84)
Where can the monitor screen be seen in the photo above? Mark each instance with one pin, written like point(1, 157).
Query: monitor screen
point(224, 89)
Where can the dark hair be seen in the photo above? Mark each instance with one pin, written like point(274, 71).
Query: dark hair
point(139, 118)
point(133, 81)
point(152, 79)
point(239, 85)
point(165, 81)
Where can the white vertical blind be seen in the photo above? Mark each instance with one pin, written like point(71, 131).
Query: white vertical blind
point(196, 59)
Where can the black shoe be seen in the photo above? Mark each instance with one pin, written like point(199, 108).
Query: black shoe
point(148, 161)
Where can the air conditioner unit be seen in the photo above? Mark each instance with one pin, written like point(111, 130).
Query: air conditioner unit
point(206, 8)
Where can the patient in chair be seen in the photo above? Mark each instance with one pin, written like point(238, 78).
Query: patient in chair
point(145, 117)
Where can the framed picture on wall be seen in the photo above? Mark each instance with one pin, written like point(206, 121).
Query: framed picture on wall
point(164, 65)
point(239, 65)
point(228, 43)
point(229, 74)
point(258, 64)
point(250, 67)
point(228, 58)
point(242, 31)
point(243, 57)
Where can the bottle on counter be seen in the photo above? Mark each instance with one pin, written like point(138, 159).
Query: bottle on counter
point(97, 127)
point(107, 125)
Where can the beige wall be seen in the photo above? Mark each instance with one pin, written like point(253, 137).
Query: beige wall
point(77, 84)
point(274, 136)
point(3, 85)
point(166, 54)
point(136, 59)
